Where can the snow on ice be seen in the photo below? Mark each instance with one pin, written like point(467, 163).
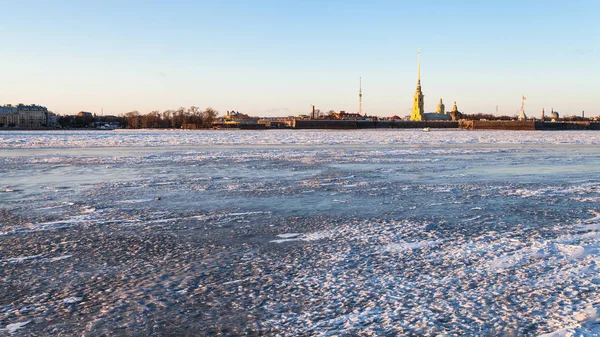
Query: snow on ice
point(296, 233)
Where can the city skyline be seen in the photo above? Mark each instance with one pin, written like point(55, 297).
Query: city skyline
point(269, 58)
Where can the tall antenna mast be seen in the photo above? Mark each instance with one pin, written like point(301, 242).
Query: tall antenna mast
point(360, 96)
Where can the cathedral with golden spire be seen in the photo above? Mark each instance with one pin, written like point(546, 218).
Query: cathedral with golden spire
point(418, 110)
point(418, 104)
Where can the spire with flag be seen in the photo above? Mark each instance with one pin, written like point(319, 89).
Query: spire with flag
point(522, 115)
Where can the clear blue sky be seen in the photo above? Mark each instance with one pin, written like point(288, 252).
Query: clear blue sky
point(278, 57)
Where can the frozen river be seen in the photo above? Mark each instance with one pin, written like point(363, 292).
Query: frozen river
point(300, 233)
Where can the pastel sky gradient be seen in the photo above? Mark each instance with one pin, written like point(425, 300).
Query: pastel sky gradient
point(278, 57)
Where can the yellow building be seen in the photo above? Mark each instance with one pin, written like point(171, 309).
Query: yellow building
point(456, 115)
point(418, 110)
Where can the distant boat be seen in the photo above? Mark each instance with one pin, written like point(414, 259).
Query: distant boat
point(426, 129)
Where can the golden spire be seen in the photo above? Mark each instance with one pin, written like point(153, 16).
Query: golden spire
point(417, 111)
point(419, 68)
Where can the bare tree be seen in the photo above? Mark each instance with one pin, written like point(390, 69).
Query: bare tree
point(133, 119)
point(209, 115)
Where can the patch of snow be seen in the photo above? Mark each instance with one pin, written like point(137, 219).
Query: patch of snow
point(594, 219)
point(288, 235)
point(573, 251)
point(21, 258)
point(59, 258)
point(237, 281)
point(303, 237)
point(133, 201)
point(72, 300)
point(506, 262)
point(12, 328)
point(404, 246)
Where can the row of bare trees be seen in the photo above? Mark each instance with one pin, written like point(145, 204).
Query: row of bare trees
point(191, 118)
point(480, 116)
point(490, 117)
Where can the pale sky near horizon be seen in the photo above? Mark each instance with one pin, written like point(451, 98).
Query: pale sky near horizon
point(276, 57)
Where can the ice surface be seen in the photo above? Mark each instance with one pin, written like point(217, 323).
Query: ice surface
point(298, 233)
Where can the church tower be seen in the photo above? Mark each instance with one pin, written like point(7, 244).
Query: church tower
point(455, 114)
point(543, 115)
point(418, 110)
point(441, 108)
point(454, 108)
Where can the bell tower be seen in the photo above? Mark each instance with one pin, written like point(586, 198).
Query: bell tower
point(441, 108)
point(418, 103)
point(543, 115)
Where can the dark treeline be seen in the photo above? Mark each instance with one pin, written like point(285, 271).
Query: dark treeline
point(81, 121)
point(573, 119)
point(190, 118)
point(489, 117)
point(187, 118)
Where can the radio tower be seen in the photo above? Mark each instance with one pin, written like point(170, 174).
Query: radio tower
point(360, 96)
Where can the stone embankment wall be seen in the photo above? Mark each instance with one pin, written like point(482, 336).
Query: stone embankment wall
point(362, 124)
point(567, 126)
point(497, 125)
point(528, 125)
point(471, 125)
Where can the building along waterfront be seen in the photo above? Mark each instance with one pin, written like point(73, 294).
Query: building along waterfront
point(25, 116)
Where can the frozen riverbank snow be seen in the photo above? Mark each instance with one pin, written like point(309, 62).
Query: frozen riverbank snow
point(155, 138)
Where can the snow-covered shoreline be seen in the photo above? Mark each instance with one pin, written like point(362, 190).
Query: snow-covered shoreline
point(162, 138)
